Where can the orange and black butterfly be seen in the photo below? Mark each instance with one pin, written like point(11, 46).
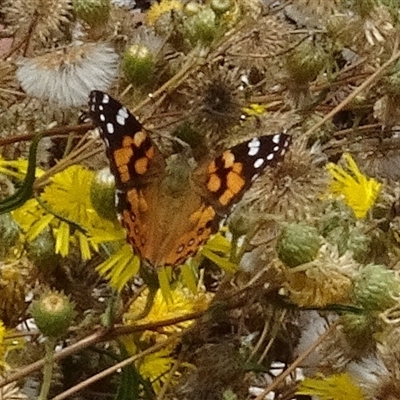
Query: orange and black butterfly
point(166, 225)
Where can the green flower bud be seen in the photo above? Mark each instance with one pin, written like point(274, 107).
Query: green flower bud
point(298, 244)
point(201, 27)
point(359, 330)
point(102, 194)
point(240, 223)
point(358, 244)
point(53, 313)
point(138, 65)
point(375, 287)
point(305, 62)
point(350, 239)
point(9, 233)
point(41, 251)
point(221, 6)
point(93, 12)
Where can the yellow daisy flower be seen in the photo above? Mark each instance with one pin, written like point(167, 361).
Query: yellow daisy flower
point(358, 191)
point(158, 9)
point(66, 204)
point(181, 302)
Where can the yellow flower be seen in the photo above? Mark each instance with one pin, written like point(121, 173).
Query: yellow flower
point(16, 168)
point(334, 387)
point(65, 205)
point(157, 10)
point(7, 345)
point(120, 267)
point(358, 191)
point(69, 194)
point(155, 367)
point(255, 109)
point(181, 302)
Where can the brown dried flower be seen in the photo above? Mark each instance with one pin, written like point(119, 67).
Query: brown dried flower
point(46, 18)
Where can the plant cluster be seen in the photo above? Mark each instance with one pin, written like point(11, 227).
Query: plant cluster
point(296, 295)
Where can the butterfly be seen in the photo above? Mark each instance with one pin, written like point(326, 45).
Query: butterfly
point(168, 207)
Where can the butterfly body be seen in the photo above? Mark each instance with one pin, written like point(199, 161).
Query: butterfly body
point(168, 207)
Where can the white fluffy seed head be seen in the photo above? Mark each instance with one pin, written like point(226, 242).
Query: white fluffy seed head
point(65, 78)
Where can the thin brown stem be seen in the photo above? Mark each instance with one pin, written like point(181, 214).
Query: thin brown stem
point(281, 378)
point(101, 375)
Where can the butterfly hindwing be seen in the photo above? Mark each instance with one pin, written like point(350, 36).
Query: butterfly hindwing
point(231, 174)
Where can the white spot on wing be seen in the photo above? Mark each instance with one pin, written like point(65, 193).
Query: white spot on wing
point(270, 156)
point(123, 112)
point(110, 128)
point(276, 148)
point(276, 139)
point(102, 117)
point(258, 163)
point(101, 108)
point(120, 120)
point(254, 147)
point(106, 99)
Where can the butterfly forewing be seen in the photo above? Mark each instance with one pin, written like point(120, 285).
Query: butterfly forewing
point(231, 173)
point(129, 148)
point(134, 161)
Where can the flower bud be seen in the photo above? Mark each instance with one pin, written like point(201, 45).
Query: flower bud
point(9, 233)
point(102, 194)
point(305, 62)
point(53, 313)
point(220, 6)
point(201, 27)
point(298, 244)
point(41, 251)
point(138, 65)
point(93, 12)
point(192, 8)
point(375, 288)
point(359, 330)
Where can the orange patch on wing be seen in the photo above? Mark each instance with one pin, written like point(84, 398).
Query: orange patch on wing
point(228, 158)
point(234, 182)
point(214, 183)
point(141, 165)
point(137, 201)
point(237, 167)
point(124, 173)
point(212, 168)
point(139, 138)
point(127, 141)
point(190, 242)
point(122, 156)
point(150, 153)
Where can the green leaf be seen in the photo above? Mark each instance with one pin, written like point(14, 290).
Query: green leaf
point(25, 192)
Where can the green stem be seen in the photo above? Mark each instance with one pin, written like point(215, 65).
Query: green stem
point(47, 369)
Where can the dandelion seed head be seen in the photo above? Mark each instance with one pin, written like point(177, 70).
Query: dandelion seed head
point(66, 77)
